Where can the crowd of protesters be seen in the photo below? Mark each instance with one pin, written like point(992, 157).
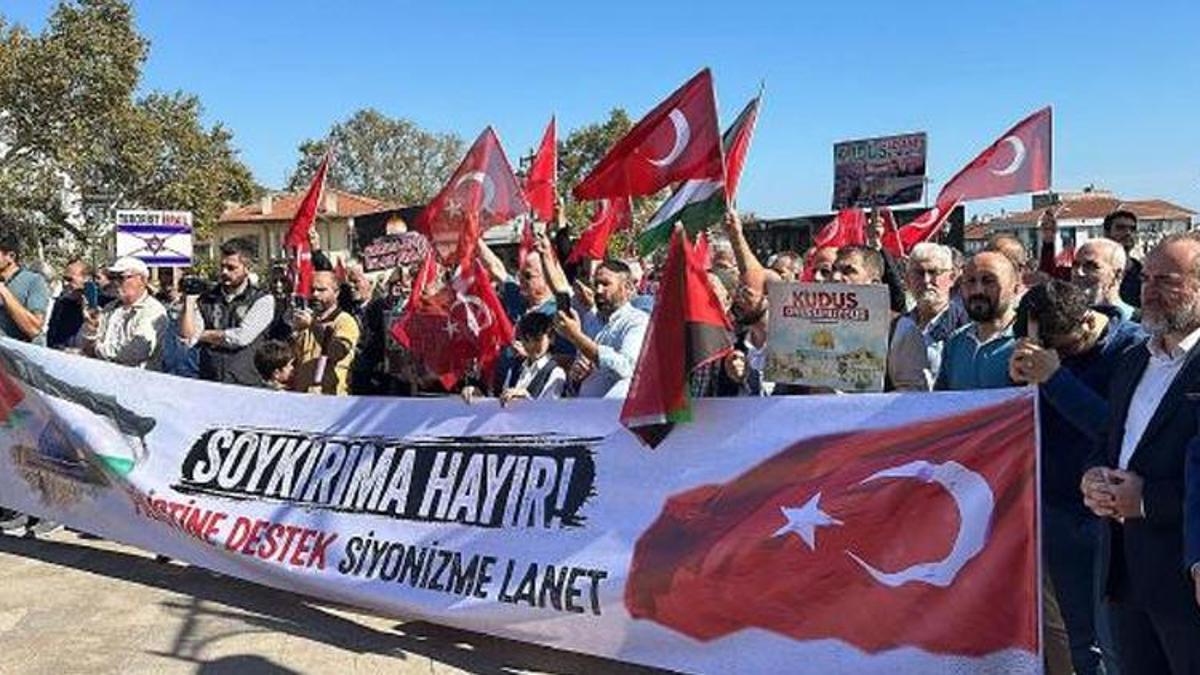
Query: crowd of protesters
point(1109, 342)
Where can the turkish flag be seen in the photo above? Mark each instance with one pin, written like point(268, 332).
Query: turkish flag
point(481, 193)
point(540, 185)
point(527, 243)
point(688, 329)
point(916, 536)
point(1019, 161)
point(925, 227)
point(453, 326)
point(296, 241)
point(679, 140)
point(848, 228)
point(611, 215)
point(736, 142)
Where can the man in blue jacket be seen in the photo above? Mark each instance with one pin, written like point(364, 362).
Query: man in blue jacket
point(1071, 351)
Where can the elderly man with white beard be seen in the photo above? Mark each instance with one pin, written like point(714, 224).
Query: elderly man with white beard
point(915, 354)
point(1136, 483)
point(1098, 269)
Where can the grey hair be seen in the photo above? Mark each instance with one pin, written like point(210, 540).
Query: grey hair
point(936, 253)
point(1114, 252)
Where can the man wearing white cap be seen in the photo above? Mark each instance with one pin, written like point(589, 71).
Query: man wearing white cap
point(129, 330)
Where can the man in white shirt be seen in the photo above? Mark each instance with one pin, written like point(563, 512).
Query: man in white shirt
point(1137, 486)
point(130, 330)
point(609, 356)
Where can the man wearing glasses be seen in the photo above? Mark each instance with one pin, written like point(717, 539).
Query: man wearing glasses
point(1136, 484)
point(915, 354)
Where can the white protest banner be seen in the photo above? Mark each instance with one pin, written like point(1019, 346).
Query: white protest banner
point(828, 335)
point(868, 534)
point(157, 238)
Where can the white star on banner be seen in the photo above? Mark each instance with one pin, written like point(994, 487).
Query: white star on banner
point(805, 520)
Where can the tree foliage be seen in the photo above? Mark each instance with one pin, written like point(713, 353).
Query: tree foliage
point(72, 132)
point(387, 158)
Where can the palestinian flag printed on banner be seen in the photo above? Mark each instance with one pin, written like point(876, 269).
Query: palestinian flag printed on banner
point(701, 202)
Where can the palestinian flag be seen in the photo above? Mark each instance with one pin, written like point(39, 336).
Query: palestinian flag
point(688, 329)
point(699, 203)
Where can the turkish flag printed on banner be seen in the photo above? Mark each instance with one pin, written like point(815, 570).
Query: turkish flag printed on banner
point(1018, 162)
point(452, 326)
point(679, 140)
point(611, 215)
point(296, 241)
point(917, 536)
point(925, 227)
point(540, 185)
point(482, 192)
point(11, 395)
point(848, 228)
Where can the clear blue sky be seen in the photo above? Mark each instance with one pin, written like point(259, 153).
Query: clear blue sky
point(1122, 77)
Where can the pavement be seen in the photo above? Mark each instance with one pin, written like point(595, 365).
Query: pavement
point(75, 605)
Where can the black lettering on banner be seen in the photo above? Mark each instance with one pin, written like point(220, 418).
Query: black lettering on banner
point(517, 481)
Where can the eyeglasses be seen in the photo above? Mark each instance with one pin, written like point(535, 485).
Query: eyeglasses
point(927, 272)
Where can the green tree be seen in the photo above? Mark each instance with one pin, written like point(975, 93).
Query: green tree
point(387, 158)
point(70, 126)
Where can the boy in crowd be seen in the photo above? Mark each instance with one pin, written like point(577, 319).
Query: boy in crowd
point(275, 362)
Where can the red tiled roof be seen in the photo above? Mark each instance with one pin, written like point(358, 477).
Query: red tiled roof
point(285, 204)
point(1095, 207)
point(976, 231)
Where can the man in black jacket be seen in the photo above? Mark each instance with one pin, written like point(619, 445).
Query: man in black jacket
point(229, 321)
point(1137, 484)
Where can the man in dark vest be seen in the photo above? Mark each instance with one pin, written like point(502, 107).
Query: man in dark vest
point(229, 321)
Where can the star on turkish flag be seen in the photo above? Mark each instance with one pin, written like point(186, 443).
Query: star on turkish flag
point(1018, 162)
point(483, 192)
point(919, 536)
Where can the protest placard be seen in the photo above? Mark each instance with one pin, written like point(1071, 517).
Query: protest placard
point(879, 171)
point(828, 335)
point(157, 238)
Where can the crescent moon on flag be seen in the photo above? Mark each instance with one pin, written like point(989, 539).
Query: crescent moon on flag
point(1018, 156)
point(683, 134)
point(975, 503)
point(485, 182)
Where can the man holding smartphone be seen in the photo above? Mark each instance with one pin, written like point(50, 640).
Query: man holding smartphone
point(229, 321)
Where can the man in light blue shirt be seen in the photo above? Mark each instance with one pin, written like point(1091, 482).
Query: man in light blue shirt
point(977, 355)
point(610, 353)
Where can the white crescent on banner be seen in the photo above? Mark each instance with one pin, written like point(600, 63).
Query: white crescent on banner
point(972, 495)
point(485, 182)
point(683, 134)
point(1018, 156)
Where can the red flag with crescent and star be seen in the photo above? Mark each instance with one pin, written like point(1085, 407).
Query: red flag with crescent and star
point(481, 193)
point(456, 326)
point(296, 242)
point(919, 536)
point(678, 140)
point(925, 227)
point(1018, 162)
point(611, 215)
point(541, 184)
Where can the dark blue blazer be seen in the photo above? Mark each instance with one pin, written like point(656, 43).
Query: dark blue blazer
point(1142, 560)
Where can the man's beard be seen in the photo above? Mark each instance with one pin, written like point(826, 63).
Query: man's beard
point(931, 299)
point(1180, 321)
point(982, 308)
